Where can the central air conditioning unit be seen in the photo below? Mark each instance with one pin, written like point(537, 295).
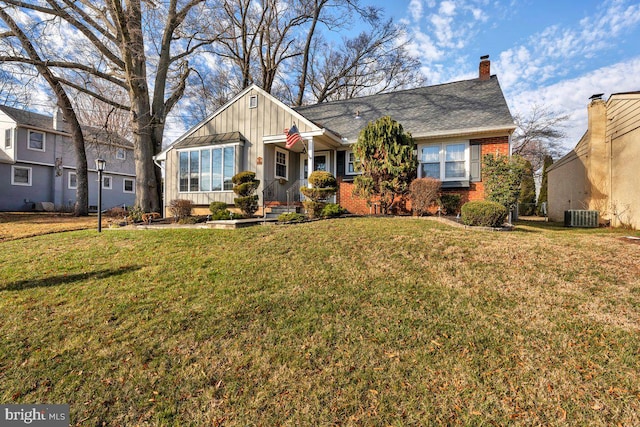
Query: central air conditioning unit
point(581, 218)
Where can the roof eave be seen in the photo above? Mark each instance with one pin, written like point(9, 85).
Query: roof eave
point(466, 132)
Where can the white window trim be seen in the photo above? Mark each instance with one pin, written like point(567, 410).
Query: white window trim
point(275, 162)
point(8, 143)
point(110, 178)
point(44, 140)
point(133, 185)
point(253, 101)
point(24, 184)
point(208, 147)
point(347, 162)
point(124, 154)
point(71, 187)
point(467, 159)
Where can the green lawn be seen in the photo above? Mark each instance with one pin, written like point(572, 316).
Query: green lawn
point(359, 321)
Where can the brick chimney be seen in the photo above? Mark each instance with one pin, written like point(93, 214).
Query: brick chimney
point(485, 68)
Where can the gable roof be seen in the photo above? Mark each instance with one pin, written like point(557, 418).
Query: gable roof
point(449, 109)
point(44, 122)
point(28, 118)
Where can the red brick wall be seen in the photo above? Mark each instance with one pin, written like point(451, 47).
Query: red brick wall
point(356, 205)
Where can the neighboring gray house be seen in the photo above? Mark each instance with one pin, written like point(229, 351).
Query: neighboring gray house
point(38, 164)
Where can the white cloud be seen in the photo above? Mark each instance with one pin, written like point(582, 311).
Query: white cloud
point(415, 10)
point(447, 8)
point(571, 96)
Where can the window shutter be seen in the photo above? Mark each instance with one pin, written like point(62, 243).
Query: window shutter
point(475, 163)
point(340, 163)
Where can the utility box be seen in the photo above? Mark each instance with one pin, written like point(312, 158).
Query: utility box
point(581, 218)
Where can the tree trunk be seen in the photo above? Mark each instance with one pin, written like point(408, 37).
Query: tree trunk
point(82, 192)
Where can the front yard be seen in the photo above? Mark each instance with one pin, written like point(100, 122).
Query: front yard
point(358, 321)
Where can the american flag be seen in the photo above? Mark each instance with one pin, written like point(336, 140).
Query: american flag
point(293, 136)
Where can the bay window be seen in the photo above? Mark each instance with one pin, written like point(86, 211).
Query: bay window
point(207, 169)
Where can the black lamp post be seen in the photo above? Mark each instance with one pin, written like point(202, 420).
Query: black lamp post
point(100, 164)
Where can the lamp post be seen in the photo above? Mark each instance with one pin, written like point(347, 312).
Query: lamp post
point(100, 164)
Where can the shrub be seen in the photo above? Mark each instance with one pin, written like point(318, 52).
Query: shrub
point(484, 213)
point(116, 212)
point(313, 209)
point(216, 207)
point(324, 186)
point(135, 214)
point(332, 210)
point(219, 211)
point(450, 203)
point(424, 193)
point(322, 179)
point(180, 208)
point(290, 217)
point(245, 185)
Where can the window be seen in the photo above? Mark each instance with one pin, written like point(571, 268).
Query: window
point(36, 141)
point(253, 101)
point(106, 182)
point(128, 185)
point(282, 162)
point(20, 175)
point(208, 169)
point(121, 154)
point(352, 163)
point(7, 138)
point(73, 181)
point(446, 162)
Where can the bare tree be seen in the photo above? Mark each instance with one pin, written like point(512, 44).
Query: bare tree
point(538, 135)
point(370, 63)
point(138, 48)
point(29, 55)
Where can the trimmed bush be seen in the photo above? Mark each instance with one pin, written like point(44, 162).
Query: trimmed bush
point(324, 186)
point(322, 179)
point(313, 209)
point(248, 205)
point(450, 203)
point(291, 217)
point(424, 193)
point(483, 213)
point(245, 185)
point(332, 210)
point(180, 208)
point(215, 207)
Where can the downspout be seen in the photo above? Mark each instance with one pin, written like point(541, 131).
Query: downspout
point(164, 185)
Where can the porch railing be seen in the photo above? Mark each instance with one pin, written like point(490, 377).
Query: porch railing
point(287, 192)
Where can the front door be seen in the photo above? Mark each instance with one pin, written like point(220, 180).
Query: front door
point(321, 162)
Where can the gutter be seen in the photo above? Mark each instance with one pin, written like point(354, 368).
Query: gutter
point(156, 159)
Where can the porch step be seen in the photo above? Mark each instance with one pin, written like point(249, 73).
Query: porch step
point(276, 211)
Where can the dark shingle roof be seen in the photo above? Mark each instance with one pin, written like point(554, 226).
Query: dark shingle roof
point(28, 118)
point(425, 111)
point(219, 138)
point(44, 122)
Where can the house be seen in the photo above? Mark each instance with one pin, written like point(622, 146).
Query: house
point(600, 173)
point(453, 124)
point(38, 164)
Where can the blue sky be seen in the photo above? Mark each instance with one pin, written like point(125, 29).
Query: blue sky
point(550, 53)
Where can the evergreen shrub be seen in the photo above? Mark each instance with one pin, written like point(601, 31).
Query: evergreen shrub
point(484, 213)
